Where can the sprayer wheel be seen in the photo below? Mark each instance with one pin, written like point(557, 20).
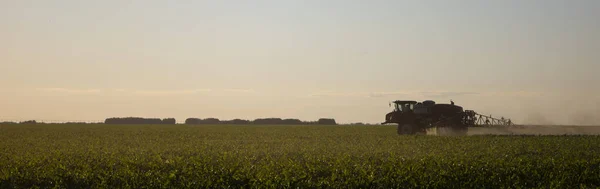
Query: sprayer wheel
point(406, 129)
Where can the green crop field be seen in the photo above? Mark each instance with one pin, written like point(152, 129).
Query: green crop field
point(221, 156)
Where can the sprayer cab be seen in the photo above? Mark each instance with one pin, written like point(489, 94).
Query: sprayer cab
point(404, 106)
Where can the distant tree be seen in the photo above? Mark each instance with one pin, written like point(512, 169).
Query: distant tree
point(169, 121)
point(211, 121)
point(198, 121)
point(268, 121)
point(133, 120)
point(28, 122)
point(236, 122)
point(291, 122)
point(193, 121)
point(326, 121)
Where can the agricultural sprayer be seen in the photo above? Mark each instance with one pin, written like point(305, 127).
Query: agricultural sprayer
point(415, 117)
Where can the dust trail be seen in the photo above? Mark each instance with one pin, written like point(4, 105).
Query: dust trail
point(535, 130)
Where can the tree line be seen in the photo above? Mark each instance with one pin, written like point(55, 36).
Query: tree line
point(139, 120)
point(198, 121)
point(30, 122)
point(260, 121)
point(22, 122)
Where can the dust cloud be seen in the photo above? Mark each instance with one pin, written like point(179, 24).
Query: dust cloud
point(535, 130)
point(537, 118)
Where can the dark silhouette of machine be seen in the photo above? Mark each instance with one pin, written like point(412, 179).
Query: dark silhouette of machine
point(415, 117)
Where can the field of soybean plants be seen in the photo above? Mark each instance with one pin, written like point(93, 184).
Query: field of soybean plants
point(223, 156)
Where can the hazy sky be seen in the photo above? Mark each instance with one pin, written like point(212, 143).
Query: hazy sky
point(533, 61)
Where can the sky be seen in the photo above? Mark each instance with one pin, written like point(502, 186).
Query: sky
point(536, 62)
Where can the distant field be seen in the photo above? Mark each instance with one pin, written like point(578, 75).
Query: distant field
point(220, 156)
